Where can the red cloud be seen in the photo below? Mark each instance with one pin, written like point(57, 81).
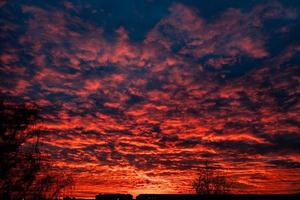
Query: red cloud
point(143, 116)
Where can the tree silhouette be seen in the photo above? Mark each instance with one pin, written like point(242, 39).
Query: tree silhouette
point(211, 181)
point(23, 171)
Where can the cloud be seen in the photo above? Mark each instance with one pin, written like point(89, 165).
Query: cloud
point(145, 115)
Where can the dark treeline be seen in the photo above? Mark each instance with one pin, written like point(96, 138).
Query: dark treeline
point(25, 173)
point(194, 197)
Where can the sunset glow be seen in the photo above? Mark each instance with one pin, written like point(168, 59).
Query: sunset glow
point(136, 95)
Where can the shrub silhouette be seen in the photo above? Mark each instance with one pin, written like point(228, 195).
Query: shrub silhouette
point(211, 181)
point(23, 171)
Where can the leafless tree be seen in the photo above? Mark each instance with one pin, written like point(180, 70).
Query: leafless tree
point(24, 172)
point(211, 181)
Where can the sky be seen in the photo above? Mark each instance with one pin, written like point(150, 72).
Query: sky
point(136, 95)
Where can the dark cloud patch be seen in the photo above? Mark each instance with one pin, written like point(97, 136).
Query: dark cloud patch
point(98, 71)
point(242, 147)
point(285, 163)
point(134, 99)
point(285, 141)
point(188, 143)
point(279, 143)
